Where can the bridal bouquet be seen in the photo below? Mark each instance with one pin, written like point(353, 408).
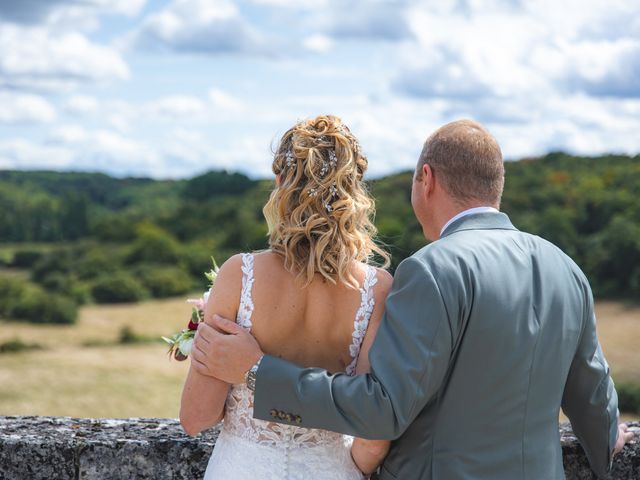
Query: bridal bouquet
point(180, 344)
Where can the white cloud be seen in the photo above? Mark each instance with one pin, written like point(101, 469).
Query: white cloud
point(318, 43)
point(65, 15)
point(38, 11)
point(224, 100)
point(81, 105)
point(67, 134)
point(352, 19)
point(604, 68)
point(198, 26)
point(176, 107)
point(33, 58)
point(22, 108)
point(20, 153)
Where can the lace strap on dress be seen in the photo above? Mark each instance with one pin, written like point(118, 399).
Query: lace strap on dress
point(363, 315)
point(245, 309)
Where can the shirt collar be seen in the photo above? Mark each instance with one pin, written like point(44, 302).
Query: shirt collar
point(469, 211)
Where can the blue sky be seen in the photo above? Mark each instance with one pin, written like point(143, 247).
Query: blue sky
point(172, 88)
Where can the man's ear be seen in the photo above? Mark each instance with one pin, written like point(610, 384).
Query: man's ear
point(428, 178)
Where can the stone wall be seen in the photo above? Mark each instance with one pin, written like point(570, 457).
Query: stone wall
point(61, 448)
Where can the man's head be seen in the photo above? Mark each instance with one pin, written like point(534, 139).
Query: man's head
point(460, 167)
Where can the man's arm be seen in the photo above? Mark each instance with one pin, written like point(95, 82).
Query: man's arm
point(409, 359)
point(590, 400)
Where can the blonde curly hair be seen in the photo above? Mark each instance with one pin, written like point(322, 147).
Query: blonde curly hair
point(320, 213)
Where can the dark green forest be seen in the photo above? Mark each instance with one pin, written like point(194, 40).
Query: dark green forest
point(86, 237)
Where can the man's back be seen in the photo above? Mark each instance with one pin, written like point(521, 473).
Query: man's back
point(517, 306)
point(487, 333)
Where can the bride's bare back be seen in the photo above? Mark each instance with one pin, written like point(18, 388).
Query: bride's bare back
point(310, 326)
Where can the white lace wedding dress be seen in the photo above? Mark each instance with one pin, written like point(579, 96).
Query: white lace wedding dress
point(250, 449)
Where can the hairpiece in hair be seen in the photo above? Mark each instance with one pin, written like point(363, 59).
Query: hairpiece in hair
point(326, 165)
point(289, 159)
point(356, 145)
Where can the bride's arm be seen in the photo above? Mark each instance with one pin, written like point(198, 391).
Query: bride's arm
point(369, 454)
point(203, 397)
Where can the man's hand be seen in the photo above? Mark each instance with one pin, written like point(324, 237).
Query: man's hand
point(624, 436)
point(224, 350)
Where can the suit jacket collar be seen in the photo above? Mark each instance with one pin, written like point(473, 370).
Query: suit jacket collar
point(480, 221)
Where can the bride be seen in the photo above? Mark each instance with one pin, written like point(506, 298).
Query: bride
point(313, 298)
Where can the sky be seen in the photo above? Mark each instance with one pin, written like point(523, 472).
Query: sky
point(174, 88)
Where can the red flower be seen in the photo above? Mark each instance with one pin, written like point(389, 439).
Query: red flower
point(192, 326)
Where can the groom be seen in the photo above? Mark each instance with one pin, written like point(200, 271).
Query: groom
point(488, 332)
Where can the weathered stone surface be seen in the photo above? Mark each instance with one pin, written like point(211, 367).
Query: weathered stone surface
point(64, 448)
point(626, 465)
point(61, 448)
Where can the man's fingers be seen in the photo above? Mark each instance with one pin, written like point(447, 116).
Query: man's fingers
point(199, 337)
point(207, 332)
point(198, 366)
point(225, 325)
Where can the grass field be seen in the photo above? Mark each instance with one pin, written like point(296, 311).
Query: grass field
point(83, 371)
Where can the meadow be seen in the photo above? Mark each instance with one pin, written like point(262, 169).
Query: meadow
point(93, 269)
point(86, 370)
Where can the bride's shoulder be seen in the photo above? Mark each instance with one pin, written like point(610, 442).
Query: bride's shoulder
point(231, 270)
point(384, 279)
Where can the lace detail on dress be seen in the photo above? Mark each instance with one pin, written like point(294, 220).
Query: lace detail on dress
point(245, 309)
point(239, 421)
point(362, 318)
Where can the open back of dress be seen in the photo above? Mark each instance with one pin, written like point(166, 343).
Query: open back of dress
point(248, 448)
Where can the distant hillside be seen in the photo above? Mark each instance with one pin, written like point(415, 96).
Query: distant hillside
point(590, 207)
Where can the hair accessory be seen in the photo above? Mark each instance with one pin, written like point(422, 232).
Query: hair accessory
point(356, 145)
point(333, 161)
point(289, 159)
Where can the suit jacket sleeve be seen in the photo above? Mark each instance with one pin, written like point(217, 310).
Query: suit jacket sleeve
point(409, 359)
point(590, 400)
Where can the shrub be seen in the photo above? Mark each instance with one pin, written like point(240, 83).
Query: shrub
point(54, 261)
point(35, 305)
point(68, 286)
point(628, 398)
point(15, 345)
point(117, 288)
point(96, 263)
point(154, 245)
point(165, 281)
point(57, 282)
point(128, 336)
point(25, 258)
point(10, 290)
point(197, 259)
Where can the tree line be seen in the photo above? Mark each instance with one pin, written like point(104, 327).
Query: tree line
point(77, 232)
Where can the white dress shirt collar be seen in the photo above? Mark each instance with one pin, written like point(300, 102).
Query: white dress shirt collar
point(469, 211)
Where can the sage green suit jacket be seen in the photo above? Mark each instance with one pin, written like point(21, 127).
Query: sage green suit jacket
point(488, 332)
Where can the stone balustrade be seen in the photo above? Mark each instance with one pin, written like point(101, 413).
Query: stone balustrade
point(61, 448)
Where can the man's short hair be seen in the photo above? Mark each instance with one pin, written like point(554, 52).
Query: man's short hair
point(467, 161)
